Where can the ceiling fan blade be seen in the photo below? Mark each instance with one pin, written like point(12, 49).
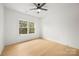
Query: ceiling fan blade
point(44, 9)
point(35, 4)
point(42, 4)
point(34, 9)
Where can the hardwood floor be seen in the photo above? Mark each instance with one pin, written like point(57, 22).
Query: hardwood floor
point(38, 47)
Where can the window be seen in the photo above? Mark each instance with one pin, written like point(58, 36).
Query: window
point(26, 27)
point(22, 27)
point(31, 27)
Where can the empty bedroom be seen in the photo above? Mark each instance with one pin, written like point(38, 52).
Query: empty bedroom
point(39, 29)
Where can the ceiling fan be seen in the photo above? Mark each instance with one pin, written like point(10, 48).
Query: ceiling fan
point(39, 7)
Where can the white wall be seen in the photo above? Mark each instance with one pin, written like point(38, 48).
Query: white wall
point(12, 18)
point(62, 24)
point(1, 27)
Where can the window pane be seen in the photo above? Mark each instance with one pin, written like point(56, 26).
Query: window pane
point(23, 24)
point(31, 25)
point(31, 30)
point(22, 30)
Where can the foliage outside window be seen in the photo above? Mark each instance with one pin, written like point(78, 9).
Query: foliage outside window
point(26, 27)
point(31, 27)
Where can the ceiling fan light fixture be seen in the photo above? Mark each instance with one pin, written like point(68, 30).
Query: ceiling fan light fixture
point(38, 10)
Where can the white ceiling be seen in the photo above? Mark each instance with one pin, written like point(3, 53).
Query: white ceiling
point(52, 8)
point(25, 8)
